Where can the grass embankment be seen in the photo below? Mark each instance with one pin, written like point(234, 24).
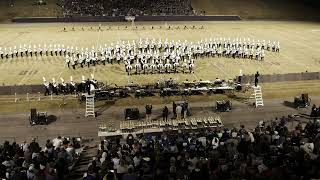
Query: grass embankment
point(270, 91)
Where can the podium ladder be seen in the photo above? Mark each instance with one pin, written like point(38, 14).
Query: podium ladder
point(90, 106)
point(257, 92)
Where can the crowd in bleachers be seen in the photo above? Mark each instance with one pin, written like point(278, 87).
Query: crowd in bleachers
point(124, 8)
point(29, 161)
point(266, 152)
point(151, 7)
point(81, 7)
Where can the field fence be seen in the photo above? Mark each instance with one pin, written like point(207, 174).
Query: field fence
point(36, 97)
point(122, 18)
point(270, 78)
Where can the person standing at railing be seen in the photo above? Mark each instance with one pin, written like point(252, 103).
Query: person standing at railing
point(148, 111)
point(178, 111)
point(165, 113)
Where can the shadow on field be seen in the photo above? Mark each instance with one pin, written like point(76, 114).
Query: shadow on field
point(289, 104)
point(103, 107)
point(52, 118)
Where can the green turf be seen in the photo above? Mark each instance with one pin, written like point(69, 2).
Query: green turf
point(299, 49)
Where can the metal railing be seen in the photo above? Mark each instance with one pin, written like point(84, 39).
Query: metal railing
point(36, 97)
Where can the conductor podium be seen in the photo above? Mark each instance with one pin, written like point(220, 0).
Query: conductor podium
point(132, 114)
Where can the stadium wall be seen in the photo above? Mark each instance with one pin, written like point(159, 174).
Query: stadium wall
point(33, 89)
point(269, 78)
point(23, 89)
point(122, 18)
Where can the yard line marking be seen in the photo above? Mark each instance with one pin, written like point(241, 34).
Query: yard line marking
point(161, 74)
point(195, 76)
point(223, 71)
point(126, 76)
point(297, 45)
point(31, 68)
point(25, 76)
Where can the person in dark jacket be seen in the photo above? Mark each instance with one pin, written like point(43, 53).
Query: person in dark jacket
point(130, 175)
point(165, 113)
point(174, 106)
point(256, 78)
point(34, 146)
point(196, 174)
point(148, 111)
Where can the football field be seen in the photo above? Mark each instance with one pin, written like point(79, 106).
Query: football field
point(300, 49)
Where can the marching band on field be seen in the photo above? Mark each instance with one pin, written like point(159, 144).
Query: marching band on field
point(54, 87)
point(149, 55)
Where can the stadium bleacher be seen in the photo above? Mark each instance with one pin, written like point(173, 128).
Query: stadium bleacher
point(266, 152)
point(122, 7)
point(192, 148)
point(246, 9)
point(28, 161)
